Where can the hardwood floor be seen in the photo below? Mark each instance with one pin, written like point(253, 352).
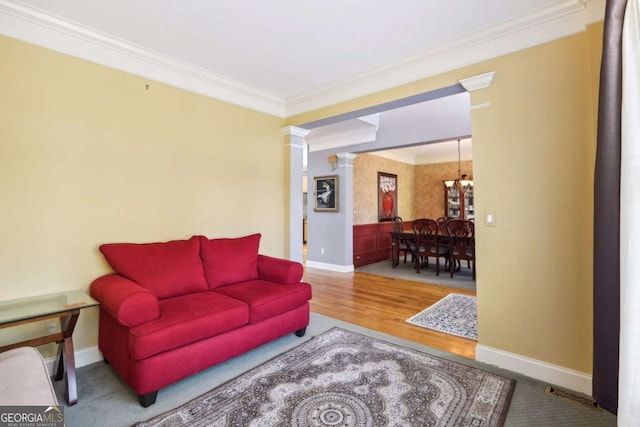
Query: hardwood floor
point(383, 304)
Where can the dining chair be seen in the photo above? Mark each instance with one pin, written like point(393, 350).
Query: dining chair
point(418, 224)
point(442, 223)
point(428, 244)
point(402, 245)
point(461, 244)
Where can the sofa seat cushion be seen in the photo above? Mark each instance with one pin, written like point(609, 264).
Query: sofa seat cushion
point(187, 319)
point(268, 299)
point(167, 269)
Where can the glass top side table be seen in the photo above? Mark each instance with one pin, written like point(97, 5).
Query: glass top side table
point(63, 305)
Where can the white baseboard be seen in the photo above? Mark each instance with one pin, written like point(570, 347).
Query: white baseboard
point(546, 372)
point(83, 357)
point(331, 267)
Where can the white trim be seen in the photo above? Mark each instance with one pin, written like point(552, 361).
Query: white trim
point(372, 119)
point(481, 81)
point(552, 23)
point(83, 357)
point(295, 131)
point(331, 267)
point(546, 372)
point(32, 25)
point(294, 145)
point(363, 132)
point(479, 106)
point(348, 160)
point(348, 156)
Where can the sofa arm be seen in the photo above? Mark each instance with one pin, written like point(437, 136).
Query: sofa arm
point(279, 270)
point(126, 301)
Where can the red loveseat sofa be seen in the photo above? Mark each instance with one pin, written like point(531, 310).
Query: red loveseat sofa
point(175, 308)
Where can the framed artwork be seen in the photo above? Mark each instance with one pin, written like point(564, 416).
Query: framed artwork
point(325, 190)
point(387, 196)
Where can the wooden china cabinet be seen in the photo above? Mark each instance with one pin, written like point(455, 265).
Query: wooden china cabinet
point(458, 199)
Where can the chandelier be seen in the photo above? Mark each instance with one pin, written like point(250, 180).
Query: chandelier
point(461, 182)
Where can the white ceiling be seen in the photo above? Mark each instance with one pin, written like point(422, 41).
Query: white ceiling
point(289, 56)
point(439, 152)
point(288, 47)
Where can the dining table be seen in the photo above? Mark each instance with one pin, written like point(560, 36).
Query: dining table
point(408, 236)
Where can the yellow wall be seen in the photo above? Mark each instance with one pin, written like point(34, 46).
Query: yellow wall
point(533, 158)
point(89, 155)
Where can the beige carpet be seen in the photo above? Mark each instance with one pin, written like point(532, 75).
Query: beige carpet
point(105, 400)
point(342, 378)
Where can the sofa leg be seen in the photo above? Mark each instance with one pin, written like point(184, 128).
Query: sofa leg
point(148, 399)
point(301, 332)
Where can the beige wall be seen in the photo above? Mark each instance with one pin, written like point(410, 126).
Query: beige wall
point(533, 159)
point(421, 193)
point(91, 155)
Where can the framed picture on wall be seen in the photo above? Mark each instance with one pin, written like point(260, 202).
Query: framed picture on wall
point(325, 193)
point(387, 196)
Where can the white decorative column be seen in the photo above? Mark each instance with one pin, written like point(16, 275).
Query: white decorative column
point(295, 146)
point(345, 161)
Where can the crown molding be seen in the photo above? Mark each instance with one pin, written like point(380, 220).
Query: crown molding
point(34, 26)
point(542, 26)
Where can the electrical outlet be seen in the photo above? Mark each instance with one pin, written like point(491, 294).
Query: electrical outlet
point(52, 327)
point(321, 251)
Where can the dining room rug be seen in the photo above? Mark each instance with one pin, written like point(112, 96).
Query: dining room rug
point(462, 279)
point(455, 314)
point(343, 378)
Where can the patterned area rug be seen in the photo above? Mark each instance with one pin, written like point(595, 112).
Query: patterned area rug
point(455, 314)
point(341, 378)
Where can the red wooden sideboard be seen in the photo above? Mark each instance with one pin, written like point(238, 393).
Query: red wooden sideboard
point(372, 242)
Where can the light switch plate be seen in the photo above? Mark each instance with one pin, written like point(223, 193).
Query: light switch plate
point(490, 219)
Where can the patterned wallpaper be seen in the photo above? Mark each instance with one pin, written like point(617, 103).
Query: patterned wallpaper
point(420, 192)
point(365, 187)
point(429, 194)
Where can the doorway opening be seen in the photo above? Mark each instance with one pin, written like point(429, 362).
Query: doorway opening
point(422, 120)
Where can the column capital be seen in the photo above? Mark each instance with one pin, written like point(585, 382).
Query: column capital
point(480, 81)
point(295, 131)
point(348, 156)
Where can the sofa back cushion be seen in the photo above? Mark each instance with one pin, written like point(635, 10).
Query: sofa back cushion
point(228, 261)
point(167, 269)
